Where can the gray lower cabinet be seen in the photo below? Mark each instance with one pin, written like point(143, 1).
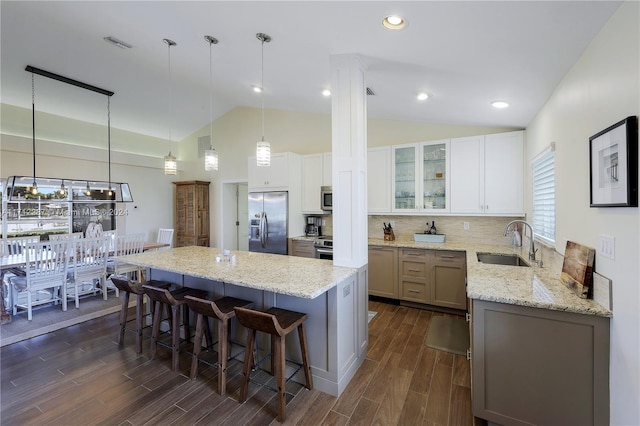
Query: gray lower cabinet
point(448, 286)
point(302, 248)
point(537, 366)
point(415, 275)
point(383, 271)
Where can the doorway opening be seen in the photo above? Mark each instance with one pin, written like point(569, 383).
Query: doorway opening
point(235, 216)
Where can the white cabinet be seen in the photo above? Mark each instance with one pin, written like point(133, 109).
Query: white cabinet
point(284, 168)
point(420, 174)
point(487, 174)
point(312, 170)
point(316, 172)
point(379, 180)
point(327, 169)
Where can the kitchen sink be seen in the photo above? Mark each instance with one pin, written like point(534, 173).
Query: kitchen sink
point(502, 259)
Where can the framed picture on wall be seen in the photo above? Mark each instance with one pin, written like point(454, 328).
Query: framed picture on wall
point(613, 155)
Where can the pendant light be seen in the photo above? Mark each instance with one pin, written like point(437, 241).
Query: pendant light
point(34, 186)
point(170, 163)
point(110, 193)
point(263, 148)
point(210, 155)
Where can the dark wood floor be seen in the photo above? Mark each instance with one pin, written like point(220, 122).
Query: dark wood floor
point(79, 376)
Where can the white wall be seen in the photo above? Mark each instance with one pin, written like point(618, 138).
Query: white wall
point(601, 89)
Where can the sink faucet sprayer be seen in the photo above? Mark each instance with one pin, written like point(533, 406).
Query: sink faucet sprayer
point(532, 249)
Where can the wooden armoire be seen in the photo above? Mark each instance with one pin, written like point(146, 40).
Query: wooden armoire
point(192, 213)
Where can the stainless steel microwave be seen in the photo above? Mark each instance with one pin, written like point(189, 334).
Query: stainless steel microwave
point(326, 198)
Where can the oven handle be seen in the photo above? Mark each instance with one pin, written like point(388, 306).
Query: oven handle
point(324, 251)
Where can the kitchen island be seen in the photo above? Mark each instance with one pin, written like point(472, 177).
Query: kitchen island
point(331, 296)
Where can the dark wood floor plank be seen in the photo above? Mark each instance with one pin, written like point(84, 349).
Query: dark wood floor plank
point(422, 377)
point(460, 413)
point(334, 419)
point(414, 409)
point(349, 399)
point(394, 397)
point(412, 351)
point(439, 395)
point(461, 371)
point(364, 413)
point(319, 411)
point(379, 383)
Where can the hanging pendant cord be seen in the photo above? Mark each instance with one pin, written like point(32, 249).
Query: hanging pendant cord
point(170, 95)
point(210, 98)
point(262, 87)
point(109, 136)
point(33, 123)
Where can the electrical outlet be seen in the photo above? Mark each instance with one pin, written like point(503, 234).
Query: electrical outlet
point(392, 223)
point(465, 226)
point(324, 222)
point(607, 247)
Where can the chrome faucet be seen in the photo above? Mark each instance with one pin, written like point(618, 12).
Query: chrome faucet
point(532, 249)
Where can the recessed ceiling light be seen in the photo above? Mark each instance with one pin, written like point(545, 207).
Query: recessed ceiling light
point(394, 22)
point(500, 104)
point(257, 89)
point(326, 92)
point(422, 96)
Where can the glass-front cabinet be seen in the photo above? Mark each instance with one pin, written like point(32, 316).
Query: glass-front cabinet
point(420, 173)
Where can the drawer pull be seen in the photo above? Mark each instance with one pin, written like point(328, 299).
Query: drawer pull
point(447, 256)
point(414, 270)
point(413, 291)
point(414, 254)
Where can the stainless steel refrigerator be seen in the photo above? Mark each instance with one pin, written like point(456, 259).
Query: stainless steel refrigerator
point(268, 224)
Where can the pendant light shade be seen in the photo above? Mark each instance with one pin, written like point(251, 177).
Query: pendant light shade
point(263, 148)
point(210, 155)
point(170, 163)
point(211, 160)
point(263, 154)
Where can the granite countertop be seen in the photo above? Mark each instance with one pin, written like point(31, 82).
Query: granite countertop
point(515, 285)
point(291, 275)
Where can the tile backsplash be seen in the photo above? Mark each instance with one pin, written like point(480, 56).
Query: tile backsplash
point(483, 230)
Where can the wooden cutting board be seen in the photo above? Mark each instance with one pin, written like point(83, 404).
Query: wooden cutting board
point(577, 269)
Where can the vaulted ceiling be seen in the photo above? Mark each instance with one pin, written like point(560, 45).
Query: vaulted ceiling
point(463, 54)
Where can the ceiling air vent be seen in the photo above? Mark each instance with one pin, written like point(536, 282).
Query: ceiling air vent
point(370, 92)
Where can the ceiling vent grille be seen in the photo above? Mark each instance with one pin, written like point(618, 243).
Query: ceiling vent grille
point(370, 92)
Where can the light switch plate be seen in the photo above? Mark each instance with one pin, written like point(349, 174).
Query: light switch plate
point(607, 246)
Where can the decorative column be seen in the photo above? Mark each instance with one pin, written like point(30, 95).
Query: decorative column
point(350, 249)
point(349, 160)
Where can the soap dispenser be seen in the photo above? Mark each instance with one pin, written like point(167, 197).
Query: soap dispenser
point(516, 239)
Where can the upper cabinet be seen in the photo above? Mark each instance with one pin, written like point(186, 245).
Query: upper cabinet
point(487, 174)
point(420, 177)
point(379, 180)
point(312, 169)
point(284, 168)
point(313, 177)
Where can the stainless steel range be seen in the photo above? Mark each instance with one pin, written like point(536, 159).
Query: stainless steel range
point(324, 248)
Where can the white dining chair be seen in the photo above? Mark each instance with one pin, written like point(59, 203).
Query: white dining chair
point(165, 236)
point(15, 245)
point(124, 245)
point(45, 277)
point(89, 268)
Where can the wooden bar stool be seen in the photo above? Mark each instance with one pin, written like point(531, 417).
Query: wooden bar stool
point(127, 287)
point(278, 323)
point(175, 300)
point(221, 310)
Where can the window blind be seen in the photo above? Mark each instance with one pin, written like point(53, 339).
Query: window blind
point(544, 195)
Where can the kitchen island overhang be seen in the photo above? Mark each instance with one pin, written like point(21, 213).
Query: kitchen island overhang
point(332, 296)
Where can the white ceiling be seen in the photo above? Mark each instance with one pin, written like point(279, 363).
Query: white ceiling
point(465, 54)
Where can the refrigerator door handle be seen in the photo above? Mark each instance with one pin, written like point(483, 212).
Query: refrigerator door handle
point(264, 229)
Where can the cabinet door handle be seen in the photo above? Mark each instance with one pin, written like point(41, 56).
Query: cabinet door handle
point(413, 291)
